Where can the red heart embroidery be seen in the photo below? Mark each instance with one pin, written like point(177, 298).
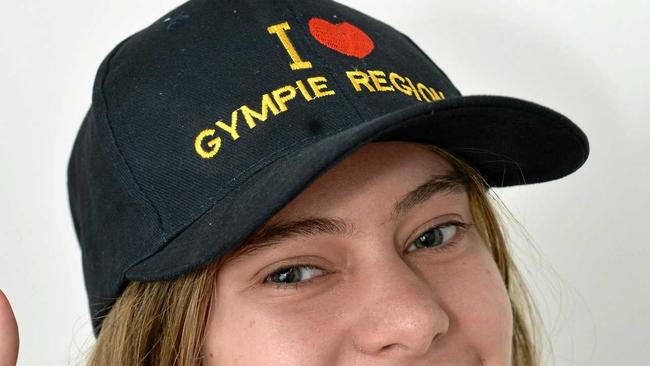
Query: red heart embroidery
point(343, 37)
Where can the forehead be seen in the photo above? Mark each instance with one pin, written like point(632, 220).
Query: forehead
point(362, 206)
point(380, 170)
point(375, 185)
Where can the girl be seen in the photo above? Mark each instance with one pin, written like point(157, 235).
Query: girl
point(297, 183)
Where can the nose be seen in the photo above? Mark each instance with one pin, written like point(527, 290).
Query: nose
point(399, 315)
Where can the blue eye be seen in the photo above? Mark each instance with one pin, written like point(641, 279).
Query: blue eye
point(439, 237)
point(292, 276)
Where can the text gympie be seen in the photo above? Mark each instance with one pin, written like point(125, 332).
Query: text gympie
point(207, 143)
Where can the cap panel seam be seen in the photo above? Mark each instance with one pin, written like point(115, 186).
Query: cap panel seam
point(114, 140)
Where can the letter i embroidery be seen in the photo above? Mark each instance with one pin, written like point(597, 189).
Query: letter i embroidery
point(280, 31)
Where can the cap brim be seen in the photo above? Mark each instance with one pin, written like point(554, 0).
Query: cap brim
point(509, 141)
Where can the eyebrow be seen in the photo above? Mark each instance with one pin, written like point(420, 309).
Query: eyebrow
point(269, 235)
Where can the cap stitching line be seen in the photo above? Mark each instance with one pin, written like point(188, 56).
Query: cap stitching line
point(114, 140)
point(300, 17)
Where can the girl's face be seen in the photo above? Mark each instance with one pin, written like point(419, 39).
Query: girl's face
point(356, 278)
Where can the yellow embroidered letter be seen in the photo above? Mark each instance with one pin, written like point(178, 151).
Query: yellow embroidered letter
point(232, 129)
point(399, 86)
point(415, 91)
point(215, 144)
point(290, 93)
point(280, 30)
point(377, 77)
point(303, 91)
point(359, 77)
point(318, 88)
point(434, 94)
point(267, 104)
point(424, 91)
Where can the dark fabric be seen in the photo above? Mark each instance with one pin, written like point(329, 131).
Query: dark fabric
point(148, 202)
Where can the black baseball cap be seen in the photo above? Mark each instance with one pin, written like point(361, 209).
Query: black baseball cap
point(208, 121)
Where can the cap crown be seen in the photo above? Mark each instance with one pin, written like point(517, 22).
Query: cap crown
point(189, 106)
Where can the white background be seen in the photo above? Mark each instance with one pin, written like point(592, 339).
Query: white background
point(590, 263)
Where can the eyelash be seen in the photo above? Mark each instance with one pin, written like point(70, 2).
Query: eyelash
point(461, 227)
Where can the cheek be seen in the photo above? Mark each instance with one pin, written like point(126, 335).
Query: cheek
point(242, 333)
point(476, 300)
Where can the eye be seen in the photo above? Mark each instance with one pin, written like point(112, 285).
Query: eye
point(292, 276)
point(438, 237)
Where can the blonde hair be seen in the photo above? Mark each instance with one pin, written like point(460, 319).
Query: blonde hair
point(162, 323)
